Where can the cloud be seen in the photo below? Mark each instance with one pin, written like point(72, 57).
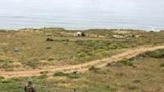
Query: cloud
point(85, 6)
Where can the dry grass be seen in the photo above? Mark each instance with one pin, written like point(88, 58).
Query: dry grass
point(146, 76)
point(29, 48)
point(22, 50)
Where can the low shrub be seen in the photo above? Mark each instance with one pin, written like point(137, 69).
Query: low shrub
point(60, 74)
point(1, 78)
point(49, 39)
point(162, 65)
point(48, 47)
point(94, 69)
point(42, 76)
point(44, 72)
point(156, 54)
point(6, 81)
point(68, 75)
point(136, 81)
point(73, 76)
point(6, 64)
point(133, 87)
point(127, 62)
point(51, 59)
point(33, 63)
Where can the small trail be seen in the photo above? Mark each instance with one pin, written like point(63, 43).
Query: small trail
point(130, 53)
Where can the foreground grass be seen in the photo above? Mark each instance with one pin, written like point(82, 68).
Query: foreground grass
point(141, 74)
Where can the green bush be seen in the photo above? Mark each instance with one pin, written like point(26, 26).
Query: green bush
point(127, 62)
point(156, 54)
point(60, 74)
point(6, 81)
point(68, 75)
point(6, 64)
point(1, 78)
point(33, 63)
point(94, 44)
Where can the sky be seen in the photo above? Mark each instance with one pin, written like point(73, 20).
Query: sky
point(150, 10)
point(28, 6)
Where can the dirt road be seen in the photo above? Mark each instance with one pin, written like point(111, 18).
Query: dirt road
point(130, 53)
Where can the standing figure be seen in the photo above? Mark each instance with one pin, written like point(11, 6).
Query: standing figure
point(29, 87)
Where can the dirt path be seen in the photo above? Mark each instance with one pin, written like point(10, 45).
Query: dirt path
point(82, 67)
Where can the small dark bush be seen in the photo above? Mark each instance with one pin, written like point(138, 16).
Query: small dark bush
point(94, 69)
point(136, 81)
point(50, 59)
point(49, 39)
point(6, 81)
point(162, 65)
point(83, 34)
point(44, 72)
point(48, 47)
point(133, 87)
point(109, 64)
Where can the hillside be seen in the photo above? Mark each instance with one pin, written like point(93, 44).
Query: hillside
point(47, 52)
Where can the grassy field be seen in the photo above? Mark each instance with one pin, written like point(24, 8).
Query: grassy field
point(143, 73)
point(40, 48)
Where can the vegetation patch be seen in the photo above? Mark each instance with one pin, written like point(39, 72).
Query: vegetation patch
point(162, 65)
point(44, 72)
point(68, 75)
point(127, 62)
point(94, 69)
point(6, 64)
point(49, 39)
point(60, 74)
point(156, 54)
point(1, 78)
point(133, 88)
point(50, 46)
point(33, 63)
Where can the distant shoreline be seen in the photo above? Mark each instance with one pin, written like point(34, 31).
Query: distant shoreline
point(82, 29)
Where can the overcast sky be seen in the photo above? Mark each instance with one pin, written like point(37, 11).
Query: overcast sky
point(83, 12)
point(28, 6)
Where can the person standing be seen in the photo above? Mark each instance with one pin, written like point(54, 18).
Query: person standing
point(29, 87)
